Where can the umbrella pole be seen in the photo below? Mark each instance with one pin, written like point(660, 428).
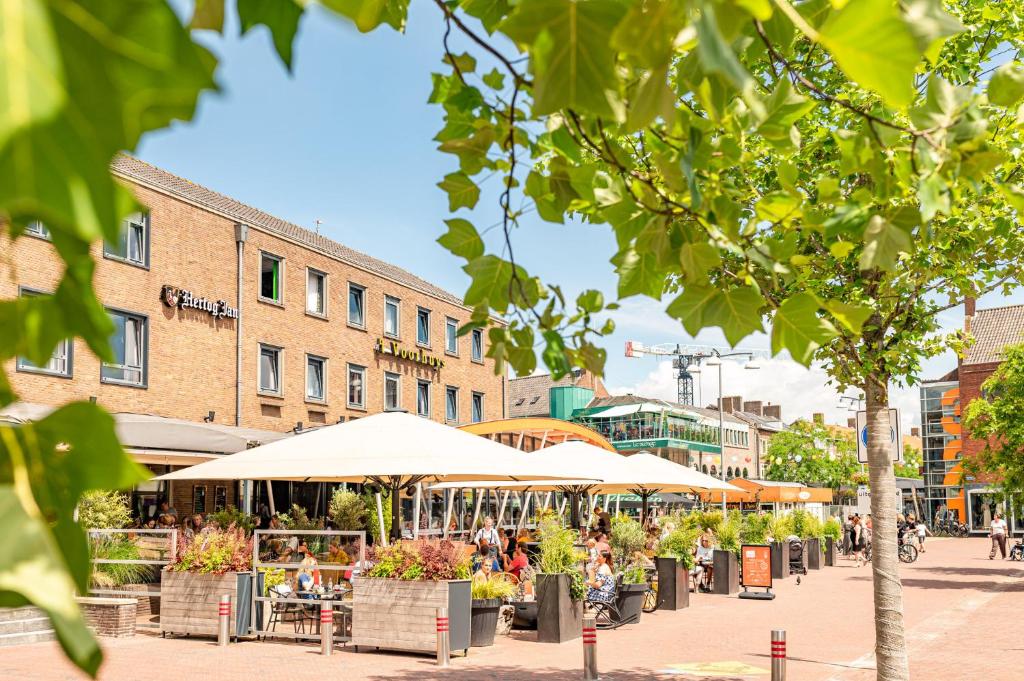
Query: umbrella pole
point(574, 511)
point(380, 520)
point(416, 512)
point(396, 513)
point(643, 507)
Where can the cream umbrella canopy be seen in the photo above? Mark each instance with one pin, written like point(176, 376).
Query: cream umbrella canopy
point(392, 450)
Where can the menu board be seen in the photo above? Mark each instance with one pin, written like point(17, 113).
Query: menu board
point(757, 565)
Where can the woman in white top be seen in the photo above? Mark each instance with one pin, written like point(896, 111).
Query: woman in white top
point(997, 530)
point(489, 533)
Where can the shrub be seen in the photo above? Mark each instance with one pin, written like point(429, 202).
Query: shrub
point(832, 529)
point(799, 518)
point(421, 560)
point(755, 528)
point(680, 544)
point(104, 510)
point(272, 577)
point(108, 575)
point(495, 587)
point(729, 538)
point(707, 520)
point(558, 555)
point(634, 574)
point(780, 527)
point(372, 526)
point(813, 528)
point(214, 551)
point(347, 511)
point(232, 516)
point(627, 537)
point(298, 519)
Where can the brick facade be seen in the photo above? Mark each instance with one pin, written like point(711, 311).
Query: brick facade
point(191, 355)
point(971, 377)
point(112, 617)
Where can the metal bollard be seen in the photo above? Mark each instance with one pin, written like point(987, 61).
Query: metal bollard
point(326, 627)
point(443, 657)
point(778, 655)
point(590, 648)
point(224, 620)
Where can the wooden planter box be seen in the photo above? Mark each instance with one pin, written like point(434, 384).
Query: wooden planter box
point(830, 552)
point(559, 618)
point(726, 580)
point(812, 553)
point(780, 560)
point(189, 602)
point(673, 584)
point(399, 615)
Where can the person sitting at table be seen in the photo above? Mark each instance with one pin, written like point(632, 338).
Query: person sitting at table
point(486, 569)
point(308, 576)
point(602, 543)
point(519, 561)
point(601, 580)
point(504, 543)
point(705, 558)
point(484, 555)
point(166, 515)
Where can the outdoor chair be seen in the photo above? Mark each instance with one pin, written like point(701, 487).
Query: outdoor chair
point(607, 615)
point(285, 612)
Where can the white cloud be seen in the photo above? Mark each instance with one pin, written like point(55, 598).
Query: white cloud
point(801, 391)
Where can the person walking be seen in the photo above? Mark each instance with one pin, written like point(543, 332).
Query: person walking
point(859, 540)
point(997, 530)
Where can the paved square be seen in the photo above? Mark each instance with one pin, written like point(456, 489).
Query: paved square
point(962, 612)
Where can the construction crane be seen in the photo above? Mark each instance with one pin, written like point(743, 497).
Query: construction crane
point(684, 357)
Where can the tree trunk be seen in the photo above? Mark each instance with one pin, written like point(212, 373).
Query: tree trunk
point(890, 644)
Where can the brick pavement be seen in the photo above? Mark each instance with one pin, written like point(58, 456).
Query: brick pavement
point(959, 606)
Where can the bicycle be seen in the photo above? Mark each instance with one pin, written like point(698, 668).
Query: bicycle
point(651, 595)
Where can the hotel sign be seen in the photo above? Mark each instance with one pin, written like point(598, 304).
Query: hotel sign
point(186, 300)
point(389, 347)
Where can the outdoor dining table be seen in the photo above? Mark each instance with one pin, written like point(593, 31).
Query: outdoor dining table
point(337, 597)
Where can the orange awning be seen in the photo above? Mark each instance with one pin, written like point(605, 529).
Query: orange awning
point(548, 430)
point(793, 493)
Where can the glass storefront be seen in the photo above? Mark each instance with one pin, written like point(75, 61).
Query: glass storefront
point(941, 452)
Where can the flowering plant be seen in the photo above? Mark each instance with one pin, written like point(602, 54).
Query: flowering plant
point(214, 551)
point(421, 560)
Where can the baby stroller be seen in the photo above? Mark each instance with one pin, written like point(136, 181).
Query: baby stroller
point(796, 556)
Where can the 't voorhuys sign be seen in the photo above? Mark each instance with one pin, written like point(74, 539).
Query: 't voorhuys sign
point(388, 347)
point(184, 299)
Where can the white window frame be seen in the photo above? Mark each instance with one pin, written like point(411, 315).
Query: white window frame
point(141, 221)
point(420, 383)
point(352, 286)
point(472, 417)
point(280, 277)
point(474, 335)
point(361, 370)
point(64, 351)
point(448, 389)
point(323, 378)
point(312, 271)
point(449, 322)
point(390, 301)
point(398, 391)
point(143, 343)
point(427, 312)
point(280, 370)
point(37, 229)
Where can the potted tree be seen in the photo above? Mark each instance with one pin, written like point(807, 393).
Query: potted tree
point(628, 542)
point(394, 604)
point(726, 559)
point(779, 528)
point(674, 561)
point(560, 587)
point(488, 595)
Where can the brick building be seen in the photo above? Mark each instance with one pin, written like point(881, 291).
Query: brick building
point(227, 314)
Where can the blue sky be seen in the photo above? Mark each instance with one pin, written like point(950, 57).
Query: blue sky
point(347, 139)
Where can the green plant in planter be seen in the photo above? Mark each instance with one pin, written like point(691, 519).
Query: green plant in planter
point(799, 519)
point(729, 538)
point(754, 528)
point(214, 551)
point(627, 537)
point(232, 516)
point(780, 527)
point(813, 528)
point(372, 524)
point(558, 555)
point(272, 577)
point(109, 575)
point(634, 574)
point(680, 544)
point(832, 529)
point(347, 511)
point(486, 589)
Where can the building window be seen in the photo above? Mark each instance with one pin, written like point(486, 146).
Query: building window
point(478, 407)
point(271, 277)
point(391, 316)
point(451, 336)
point(270, 370)
point(36, 228)
point(356, 386)
point(423, 326)
point(477, 338)
point(451, 404)
point(132, 244)
point(423, 398)
point(59, 363)
point(316, 377)
point(356, 307)
point(316, 292)
point(129, 346)
point(392, 391)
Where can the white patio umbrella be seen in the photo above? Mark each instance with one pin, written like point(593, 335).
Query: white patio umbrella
point(392, 450)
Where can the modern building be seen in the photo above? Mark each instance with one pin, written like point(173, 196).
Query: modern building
point(539, 395)
point(942, 449)
point(227, 315)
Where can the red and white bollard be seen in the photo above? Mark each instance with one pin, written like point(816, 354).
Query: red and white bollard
point(778, 655)
point(326, 627)
point(590, 648)
point(443, 656)
point(224, 620)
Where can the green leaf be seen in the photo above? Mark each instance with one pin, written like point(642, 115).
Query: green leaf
point(465, 62)
point(489, 12)
point(1007, 84)
point(208, 14)
point(638, 274)
point(569, 55)
point(850, 315)
point(797, 327)
point(783, 108)
point(874, 47)
point(759, 9)
point(778, 207)
point(651, 98)
point(590, 301)
point(369, 14)
point(648, 31)
point(931, 25)
point(281, 17)
point(697, 259)
point(717, 56)
point(883, 242)
point(472, 150)
point(737, 311)
point(462, 239)
point(461, 191)
point(495, 80)
point(934, 196)
point(491, 277)
point(32, 87)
